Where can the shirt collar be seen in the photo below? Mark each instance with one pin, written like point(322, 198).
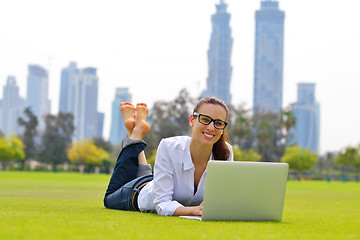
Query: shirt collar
point(188, 164)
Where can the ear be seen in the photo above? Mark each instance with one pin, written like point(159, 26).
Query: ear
point(191, 121)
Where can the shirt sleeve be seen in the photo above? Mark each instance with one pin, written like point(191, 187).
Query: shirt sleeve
point(231, 157)
point(164, 182)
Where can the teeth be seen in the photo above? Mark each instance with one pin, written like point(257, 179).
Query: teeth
point(208, 135)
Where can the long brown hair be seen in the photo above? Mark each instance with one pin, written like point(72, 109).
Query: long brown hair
point(220, 150)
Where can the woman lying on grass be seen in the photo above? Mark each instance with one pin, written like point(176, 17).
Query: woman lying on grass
point(177, 186)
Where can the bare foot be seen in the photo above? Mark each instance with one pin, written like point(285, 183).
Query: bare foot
point(141, 126)
point(128, 114)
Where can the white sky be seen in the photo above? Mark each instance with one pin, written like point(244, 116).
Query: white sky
point(158, 47)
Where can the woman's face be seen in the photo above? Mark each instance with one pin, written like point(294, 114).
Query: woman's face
point(207, 134)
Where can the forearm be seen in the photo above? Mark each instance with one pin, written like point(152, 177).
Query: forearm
point(188, 211)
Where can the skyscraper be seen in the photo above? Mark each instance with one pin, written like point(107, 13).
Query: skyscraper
point(118, 130)
point(79, 96)
point(307, 113)
point(219, 55)
point(269, 47)
point(12, 106)
point(37, 94)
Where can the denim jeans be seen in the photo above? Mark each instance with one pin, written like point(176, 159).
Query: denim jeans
point(124, 184)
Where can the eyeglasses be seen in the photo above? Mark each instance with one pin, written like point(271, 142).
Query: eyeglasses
point(206, 120)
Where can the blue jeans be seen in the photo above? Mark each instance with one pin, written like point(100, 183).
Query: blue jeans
point(124, 186)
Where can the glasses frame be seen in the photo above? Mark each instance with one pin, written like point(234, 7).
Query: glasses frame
point(198, 115)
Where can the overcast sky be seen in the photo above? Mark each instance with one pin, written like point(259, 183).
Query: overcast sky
point(158, 47)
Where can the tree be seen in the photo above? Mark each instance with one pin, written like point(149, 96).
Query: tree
point(102, 143)
point(268, 132)
point(287, 121)
point(239, 128)
point(30, 124)
point(246, 155)
point(299, 159)
point(349, 157)
point(11, 149)
point(171, 118)
point(56, 138)
point(86, 153)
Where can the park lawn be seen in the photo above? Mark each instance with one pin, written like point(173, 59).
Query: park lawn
point(69, 206)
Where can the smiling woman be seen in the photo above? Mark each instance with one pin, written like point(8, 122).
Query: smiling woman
point(177, 185)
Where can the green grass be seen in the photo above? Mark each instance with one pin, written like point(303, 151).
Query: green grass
point(69, 206)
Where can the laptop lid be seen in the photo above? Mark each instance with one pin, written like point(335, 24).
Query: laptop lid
point(246, 191)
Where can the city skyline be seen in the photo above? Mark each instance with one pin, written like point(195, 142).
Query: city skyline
point(169, 50)
point(269, 54)
point(307, 113)
point(79, 96)
point(219, 55)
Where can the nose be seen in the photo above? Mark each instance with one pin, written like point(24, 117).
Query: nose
point(211, 126)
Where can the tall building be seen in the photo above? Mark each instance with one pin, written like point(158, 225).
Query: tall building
point(269, 47)
point(79, 96)
point(219, 55)
point(118, 130)
point(12, 106)
point(37, 94)
point(307, 113)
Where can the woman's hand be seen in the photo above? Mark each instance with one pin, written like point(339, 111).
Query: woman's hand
point(189, 211)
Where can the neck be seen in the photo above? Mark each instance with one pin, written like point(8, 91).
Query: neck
point(199, 152)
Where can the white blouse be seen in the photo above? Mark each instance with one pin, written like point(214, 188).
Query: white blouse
point(173, 184)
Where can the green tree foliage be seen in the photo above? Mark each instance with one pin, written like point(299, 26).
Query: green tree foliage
point(299, 159)
point(86, 153)
point(11, 149)
point(270, 139)
point(102, 143)
point(30, 123)
point(287, 121)
point(246, 155)
point(56, 138)
point(240, 127)
point(169, 119)
point(349, 157)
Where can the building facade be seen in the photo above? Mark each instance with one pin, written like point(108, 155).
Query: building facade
point(269, 48)
point(37, 94)
point(118, 131)
point(307, 113)
point(219, 55)
point(11, 108)
point(79, 96)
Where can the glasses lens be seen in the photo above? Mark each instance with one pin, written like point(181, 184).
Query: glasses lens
point(204, 119)
point(219, 124)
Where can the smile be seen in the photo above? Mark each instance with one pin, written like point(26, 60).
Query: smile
point(207, 135)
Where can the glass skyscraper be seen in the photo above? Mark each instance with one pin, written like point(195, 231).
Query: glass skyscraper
point(79, 96)
point(37, 94)
point(219, 55)
point(12, 107)
point(118, 130)
point(307, 113)
point(268, 68)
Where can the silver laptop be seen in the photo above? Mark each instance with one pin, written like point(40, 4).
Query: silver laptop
point(244, 191)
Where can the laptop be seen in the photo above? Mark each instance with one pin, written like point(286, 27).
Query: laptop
point(244, 191)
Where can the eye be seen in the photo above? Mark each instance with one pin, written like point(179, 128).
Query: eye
point(205, 119)
point(219, 124)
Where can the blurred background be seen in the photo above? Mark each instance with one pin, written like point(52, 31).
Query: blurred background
point(289, 70)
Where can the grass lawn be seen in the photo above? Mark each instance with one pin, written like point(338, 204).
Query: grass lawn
point(69, 206)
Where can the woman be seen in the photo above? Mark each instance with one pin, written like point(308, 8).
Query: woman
point(177, 186)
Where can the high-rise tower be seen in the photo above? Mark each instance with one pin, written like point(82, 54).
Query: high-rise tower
point(269, 47)
point(219, 55)
point(307, 113)
point(37, 94)
point(79, 96)
point(12, 106)
point(118, 130)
